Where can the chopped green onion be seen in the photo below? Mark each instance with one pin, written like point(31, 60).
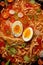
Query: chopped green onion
point(36, 57)
point(6, 3)
point(38, 10)
point(32, 1)
point(16, 16)
point(35, 17)
point(7, 47)
point(23, 45)
point(7, 63)
point(26, 58)
point(13, 51)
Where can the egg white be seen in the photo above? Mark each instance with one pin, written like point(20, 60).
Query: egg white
point(28, 39)
point(21, 27)
point(20, 14)
point(11, 11)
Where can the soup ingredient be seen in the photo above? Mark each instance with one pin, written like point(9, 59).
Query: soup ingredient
point(7, 63)
point(13, 51)
point(26, 58)
point(38, 10)
point(23, 45)
point(2, 43)
point(32, 1)
point(20, 14)
point(27, 34)
point(36, 57)
point(17, 28)
point(11, 12)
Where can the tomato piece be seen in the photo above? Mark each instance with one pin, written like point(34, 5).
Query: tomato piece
point(12, 59)
point(5, 14)
point(2, 43)
point(3, 63)
point(39, 40)
point(7, 30)
point(6, 27)
point(12, 19)
point(28, 5)
point(25, 21)
point(9, 6)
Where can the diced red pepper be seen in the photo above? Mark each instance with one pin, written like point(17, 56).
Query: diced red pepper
point(28, 5)
point(39, 40)
point(12, 59)
point(6, 27)
point(3, 63)
point(12, 19)
point(2, 43)
point(9, 6)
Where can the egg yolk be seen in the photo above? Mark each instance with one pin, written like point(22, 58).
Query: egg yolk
point(17, 29)
point(27, 33)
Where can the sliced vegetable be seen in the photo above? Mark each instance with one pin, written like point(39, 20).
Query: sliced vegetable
point(26, 58)
point(7, 29)
point(28, 5)
point(36, 57)
point(7, 47)
point(12, 19)
point(6, 3)
point(35, 17)
point(7, 63)
point(32, 1)
point(38, 10)
point(23, 45)
point(16, 16)
point(13, 51)
point(2, 63)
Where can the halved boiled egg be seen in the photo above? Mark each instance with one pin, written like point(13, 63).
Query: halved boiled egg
point(17, 28)
point(27, 34)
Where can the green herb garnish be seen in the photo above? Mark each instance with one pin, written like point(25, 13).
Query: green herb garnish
point(6, 3)
point(36, 57)
point(7, 63)
point(26, 58)
point(38, 10)
point(12, 51)
point(23, 45)
point(32, 1)
point(35, 17)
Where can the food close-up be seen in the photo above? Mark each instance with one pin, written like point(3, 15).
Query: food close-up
point(21, 32)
